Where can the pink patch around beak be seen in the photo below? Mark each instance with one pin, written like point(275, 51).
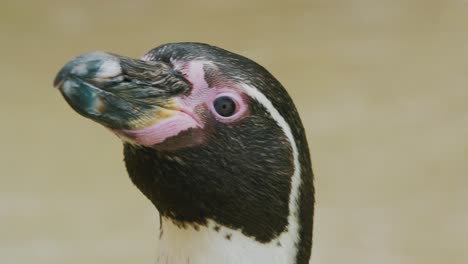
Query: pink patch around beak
point(167, 128)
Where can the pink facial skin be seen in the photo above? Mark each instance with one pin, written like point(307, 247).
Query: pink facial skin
point(162, 130)
point(190, 114)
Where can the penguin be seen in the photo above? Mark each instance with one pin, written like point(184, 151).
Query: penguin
point(214, 141)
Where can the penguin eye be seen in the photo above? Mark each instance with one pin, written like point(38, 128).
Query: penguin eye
point(224, 106)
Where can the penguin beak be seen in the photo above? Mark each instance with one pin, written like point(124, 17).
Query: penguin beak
point(121, 93)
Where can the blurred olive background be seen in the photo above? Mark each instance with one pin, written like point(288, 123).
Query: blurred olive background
point(381, 86)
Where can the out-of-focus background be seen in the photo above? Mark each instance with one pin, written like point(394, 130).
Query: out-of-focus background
point(381, 86)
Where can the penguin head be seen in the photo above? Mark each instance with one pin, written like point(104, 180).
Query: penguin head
point(208, 134)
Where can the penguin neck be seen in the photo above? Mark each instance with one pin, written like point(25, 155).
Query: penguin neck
point(192, 189)
point(206, 217)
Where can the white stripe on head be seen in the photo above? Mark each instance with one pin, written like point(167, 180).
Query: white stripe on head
point(293, 228)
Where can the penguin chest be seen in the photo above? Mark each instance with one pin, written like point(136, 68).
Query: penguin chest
point(214, 244)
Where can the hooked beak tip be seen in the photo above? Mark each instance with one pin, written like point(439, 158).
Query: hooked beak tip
point(96, 64)
point(58, 81)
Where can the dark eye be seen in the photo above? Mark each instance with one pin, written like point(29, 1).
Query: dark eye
point(224, 106)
